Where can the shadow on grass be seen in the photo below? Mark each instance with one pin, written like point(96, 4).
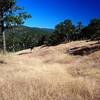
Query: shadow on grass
point(2, 62)
point(84, 50)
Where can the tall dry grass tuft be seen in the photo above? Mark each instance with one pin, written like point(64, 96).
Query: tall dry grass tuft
point(30, 89)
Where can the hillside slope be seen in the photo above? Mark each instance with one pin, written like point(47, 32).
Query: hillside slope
point(35, 30)
point(50, 73)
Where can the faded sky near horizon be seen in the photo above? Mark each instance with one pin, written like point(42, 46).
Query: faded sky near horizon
point(47, 13)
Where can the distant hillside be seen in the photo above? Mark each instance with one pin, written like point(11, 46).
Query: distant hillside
point(23, 37)
point(34, 30)
point(47, 30)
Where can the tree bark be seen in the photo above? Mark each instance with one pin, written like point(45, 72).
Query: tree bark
point(4, 42)
point(3, 34)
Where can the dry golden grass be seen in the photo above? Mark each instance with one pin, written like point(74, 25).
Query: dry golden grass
point(50, 73)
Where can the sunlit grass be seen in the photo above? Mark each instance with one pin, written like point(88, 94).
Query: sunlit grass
point(50, 74)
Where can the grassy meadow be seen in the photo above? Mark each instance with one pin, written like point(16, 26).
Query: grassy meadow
point(49, 73)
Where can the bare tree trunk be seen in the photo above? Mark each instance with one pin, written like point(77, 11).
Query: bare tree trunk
point(3, 33)
point(4, 42)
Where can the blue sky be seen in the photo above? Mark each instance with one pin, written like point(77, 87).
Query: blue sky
point(48, 13)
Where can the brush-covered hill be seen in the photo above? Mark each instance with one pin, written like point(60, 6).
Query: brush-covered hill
point(24, 37)
point(34, 30)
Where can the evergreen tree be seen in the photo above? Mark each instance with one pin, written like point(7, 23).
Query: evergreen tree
point(10, 15)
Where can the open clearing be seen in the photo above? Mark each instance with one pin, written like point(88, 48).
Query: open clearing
point(50, 73)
